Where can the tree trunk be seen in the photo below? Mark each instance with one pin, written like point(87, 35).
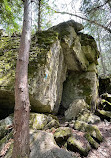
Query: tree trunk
point(39, 15)
point(22, 104)
point(101, 57)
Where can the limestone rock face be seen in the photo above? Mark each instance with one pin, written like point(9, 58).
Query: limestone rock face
point(53, 54)
point(46, 87)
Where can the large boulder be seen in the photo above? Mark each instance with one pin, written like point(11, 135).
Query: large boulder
point(53, 53)
point(47, 70)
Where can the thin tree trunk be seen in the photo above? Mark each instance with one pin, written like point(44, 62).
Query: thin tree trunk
point(101, 57)
point(22, 104)
point(39, 15)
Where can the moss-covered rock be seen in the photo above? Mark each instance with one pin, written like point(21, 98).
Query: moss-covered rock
point(105, 105)
point(91, 129)
point(52, 53)
point(88, 117)
point(89, 47)
point(62, 134)
point(80, 86)
point(46, 58)
point(104, 114)
point(42, 144)
point(91, 140)
point(51, 124)
point(37, 121)
point(106, 96)
point(76, 145)
point(42, 121)
point(5, 126)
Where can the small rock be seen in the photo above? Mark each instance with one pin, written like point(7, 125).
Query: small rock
point(53, 123)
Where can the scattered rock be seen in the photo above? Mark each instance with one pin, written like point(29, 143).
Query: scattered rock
point(53, 123)
point(91, 140)
point(77, 145)
point(5, 126)
point(88, 117)
point(104, 114)
point(43, 146)
point(91, 129)
point(62, 134)
point(37, 121)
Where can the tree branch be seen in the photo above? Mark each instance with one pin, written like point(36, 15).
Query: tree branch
point(98, 7)
point(90, 21)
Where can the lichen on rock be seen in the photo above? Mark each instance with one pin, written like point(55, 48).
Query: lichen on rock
point(54, 54)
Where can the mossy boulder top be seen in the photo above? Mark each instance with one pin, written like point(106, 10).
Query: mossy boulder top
point(53, 54)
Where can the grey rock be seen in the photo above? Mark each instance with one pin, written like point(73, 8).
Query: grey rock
point(53, 54)
point(80, 86)
point(41, 147)
point(88, 117)
point(75, 108)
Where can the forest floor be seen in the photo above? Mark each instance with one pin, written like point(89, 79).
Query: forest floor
point(104, 150)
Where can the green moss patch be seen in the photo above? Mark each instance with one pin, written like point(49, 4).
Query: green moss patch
point(78, 146)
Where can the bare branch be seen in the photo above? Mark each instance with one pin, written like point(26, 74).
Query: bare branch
point(90, 21)
point(98, 7)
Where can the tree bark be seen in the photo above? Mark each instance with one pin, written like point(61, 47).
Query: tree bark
point(101, 56)
point(39, 15)
point(22, 104)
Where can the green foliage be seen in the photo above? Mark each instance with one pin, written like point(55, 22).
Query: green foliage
point(46, 14)
point(11, 15)
point(99, 11)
